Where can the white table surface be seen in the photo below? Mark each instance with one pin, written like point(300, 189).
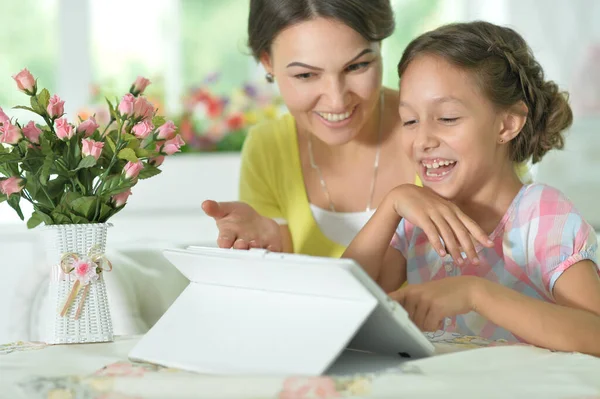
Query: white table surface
point(29, 370)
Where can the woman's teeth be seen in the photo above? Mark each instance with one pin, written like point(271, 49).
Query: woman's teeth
point(335, 117)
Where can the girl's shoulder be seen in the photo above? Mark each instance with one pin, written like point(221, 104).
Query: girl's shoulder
point(544, 200)
point(543, 210)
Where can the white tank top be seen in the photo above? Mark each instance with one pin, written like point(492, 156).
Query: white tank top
point(340, 227)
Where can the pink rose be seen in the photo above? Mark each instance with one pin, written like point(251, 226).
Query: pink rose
point(120, 199)
point(88, 127)
point(64, 130)
point(172, 146)
point(56, 107)
point(10, 134)
point(142, 108)
point(126, 105)
point(140, 85)
point(4, 119)
point(143, 129)
point(12, 185)
point(167, 131)
point(133, 169)
point(156, 161)
point(91, 147)
point(25, 81)
point(32, 132)
point(309, 387)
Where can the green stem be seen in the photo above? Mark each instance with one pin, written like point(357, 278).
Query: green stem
point(107, 126)
point(97, 213)
point(47, 195)
point(111, 163)
point(25, 194)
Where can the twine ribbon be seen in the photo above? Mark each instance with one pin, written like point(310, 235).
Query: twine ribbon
point(95, 260)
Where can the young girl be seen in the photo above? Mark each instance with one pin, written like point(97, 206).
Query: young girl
point(473, 100)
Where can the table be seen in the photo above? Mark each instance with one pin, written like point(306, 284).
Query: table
point(490, 370)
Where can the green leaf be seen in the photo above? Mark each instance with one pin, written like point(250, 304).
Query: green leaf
point(36, 105)
point(84, 206)
point(112, 109)
point(26, 108)
point(128, 137)
point(48, 164)
point(86, 162)
point(44, 217)
point(115, 185)
point(3, 198)
point(148, 171)
point(61, 218)
point(79, 220)
point(111, 144)
point(133, 144)
point(158, 121)
point(143, 153)
point(13, 201)
point(105, 212)
point(34, 221)
point(56, 187)
point(32, 185)
point(44, 98)
point(9, 157)
point(127, 154)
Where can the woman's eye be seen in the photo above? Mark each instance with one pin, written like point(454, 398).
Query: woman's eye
point(409, 123)
point(356, 67)
point(304, 76)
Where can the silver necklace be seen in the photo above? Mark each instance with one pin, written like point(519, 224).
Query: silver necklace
point(316, 167)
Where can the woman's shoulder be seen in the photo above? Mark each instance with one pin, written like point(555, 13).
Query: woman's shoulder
point(273, 132)
point(270, 142)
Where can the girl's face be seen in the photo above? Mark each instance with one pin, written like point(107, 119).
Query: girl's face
point(329, 77)
point(450, 129)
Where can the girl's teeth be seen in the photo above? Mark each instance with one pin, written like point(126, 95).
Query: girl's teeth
point(431, 174)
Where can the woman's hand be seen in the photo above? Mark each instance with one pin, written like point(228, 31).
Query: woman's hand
point(428, 304)
point(440, 218)
point(241, 227)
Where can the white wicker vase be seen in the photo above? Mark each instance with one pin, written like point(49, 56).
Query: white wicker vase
point(93, 324)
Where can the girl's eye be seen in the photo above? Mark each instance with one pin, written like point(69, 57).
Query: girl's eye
point(356, 67)
point(409, 123)
point(304, 76)
point(449, 120)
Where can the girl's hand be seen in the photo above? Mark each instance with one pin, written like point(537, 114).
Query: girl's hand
point(430, 303)
point(438, 217)
point(241, 227)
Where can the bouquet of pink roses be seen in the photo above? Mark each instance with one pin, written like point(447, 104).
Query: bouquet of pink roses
point(75, 173)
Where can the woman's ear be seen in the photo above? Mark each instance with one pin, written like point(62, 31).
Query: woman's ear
point(513, 121)
point(265, 60)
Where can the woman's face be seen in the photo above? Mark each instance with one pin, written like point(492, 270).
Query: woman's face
point(329, 77)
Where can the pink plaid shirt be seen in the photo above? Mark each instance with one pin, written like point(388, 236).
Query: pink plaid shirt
point(540, 236)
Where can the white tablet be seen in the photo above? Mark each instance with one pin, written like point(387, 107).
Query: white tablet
point(260, 312)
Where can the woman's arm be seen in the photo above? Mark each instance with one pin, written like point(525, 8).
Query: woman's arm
point(572, 324)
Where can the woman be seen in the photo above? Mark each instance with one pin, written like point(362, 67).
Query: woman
point(311, 180)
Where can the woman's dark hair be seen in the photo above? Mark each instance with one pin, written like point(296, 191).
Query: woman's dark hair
point(507, 71)
point(372, 19)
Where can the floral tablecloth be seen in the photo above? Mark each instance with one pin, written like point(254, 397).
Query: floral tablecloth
point(491, 370)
